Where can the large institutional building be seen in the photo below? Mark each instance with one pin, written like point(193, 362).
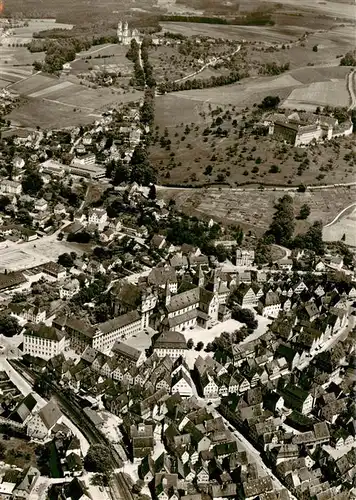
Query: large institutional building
point(126, 35)
point(300, 129)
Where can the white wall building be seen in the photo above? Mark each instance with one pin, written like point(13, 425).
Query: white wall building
point(69, 289)
point(10, 187)
point(170, 343)
point(98, 216)
point(43, 341)
point(244, 258)
point(42, 423)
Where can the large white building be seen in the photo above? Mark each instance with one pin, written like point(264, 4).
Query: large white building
point(98, 217)
point(170, 343)
point(244, 258)
point(119, 328)
point(43, 341)
point(10, 187)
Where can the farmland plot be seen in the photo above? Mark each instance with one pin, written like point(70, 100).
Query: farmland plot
point(332, 93)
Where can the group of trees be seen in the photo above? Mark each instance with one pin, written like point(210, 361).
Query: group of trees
point(147, 112)
point(349, 59)
point(245, 316)
point(147, 67)
point(269, 102)
point(32, 183)
point(9, 326)
point(273, 68)
point(139, 170)
point(283, 224)
point(281, 230)
point(200, 83)
point(59, 52)
point(257, 18)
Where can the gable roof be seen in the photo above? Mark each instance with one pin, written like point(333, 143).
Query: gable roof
point(170, 340)
point(124, 350)
point(50, 414)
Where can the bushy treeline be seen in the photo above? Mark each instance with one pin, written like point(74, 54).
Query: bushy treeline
point(200, 83)
point(147, 67)
point(251, 19)
point(273, 68)
point(134, 55)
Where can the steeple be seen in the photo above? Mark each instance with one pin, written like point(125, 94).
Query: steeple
point(201, 277)
point(216, 281)
point(168, 294)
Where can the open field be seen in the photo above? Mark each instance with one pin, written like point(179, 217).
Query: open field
point(59, 102)
point(337, 9)
point(270, 34)
point(318, 94)
point(30, 254)
point(346, 225)
point(254, 209)
point(82, 11)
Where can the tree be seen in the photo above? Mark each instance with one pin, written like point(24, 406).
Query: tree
point(98, 459)
point(9, 326)
point(270, 102)
point(65, 260)
point(304, 212)
point(24, 217)
point(199, 346)
point(349, 59)
point(190, 344)
point(18, 297)
point(245, 316)
point(315, 48)
point(99, 480)
point(283, 224)
point(221, 253)
point(152, 192)
point(312, 239)
point(32, 183)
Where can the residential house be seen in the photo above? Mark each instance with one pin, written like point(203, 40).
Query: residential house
point(41, 424)
point(69, 289)
point(269, 305)
point(98, 217)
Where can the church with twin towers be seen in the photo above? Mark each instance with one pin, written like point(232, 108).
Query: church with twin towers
point(125, 35)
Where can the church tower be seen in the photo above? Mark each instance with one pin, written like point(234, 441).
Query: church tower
point(126, 35)
point(167, 294)
point(119, 31)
